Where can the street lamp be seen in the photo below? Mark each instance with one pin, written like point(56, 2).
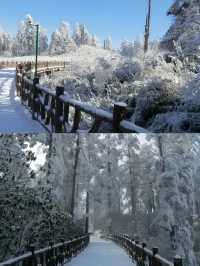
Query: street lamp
point(37, 48)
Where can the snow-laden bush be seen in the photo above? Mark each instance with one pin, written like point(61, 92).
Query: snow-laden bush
point(176, 122)
point(127, 49)
point(151, 99)
point(191, 94)
point(129, 71)
point(132, 49)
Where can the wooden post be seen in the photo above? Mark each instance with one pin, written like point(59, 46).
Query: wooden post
point(154, 259)
point(178, 261)
point(118, 115)
point(59, 110)
point(144, 256)
point(87, 213)
point(33, 258)
point(34, 96)
point(77, 119)
point(22, 87)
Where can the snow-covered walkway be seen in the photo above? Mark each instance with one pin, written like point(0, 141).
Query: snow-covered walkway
point(14, 118)
point(102, 253)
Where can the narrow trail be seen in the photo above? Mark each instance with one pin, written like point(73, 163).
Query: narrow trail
point(102, 253)
point(14, 118)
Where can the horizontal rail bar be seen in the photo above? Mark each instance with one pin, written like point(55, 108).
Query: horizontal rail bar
point(35, 254)
point(140, 253)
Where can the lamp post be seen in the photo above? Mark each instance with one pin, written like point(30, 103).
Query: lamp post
point(37, 48)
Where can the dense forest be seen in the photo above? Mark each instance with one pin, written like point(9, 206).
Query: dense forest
point(144, 185)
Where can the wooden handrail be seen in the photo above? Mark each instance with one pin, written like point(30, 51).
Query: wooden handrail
point(53, 255)
point(52, 109)
point(41, 64)
point(141, 254)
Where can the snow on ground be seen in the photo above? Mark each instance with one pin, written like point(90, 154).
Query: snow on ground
point(102, 253)
point(14, 118)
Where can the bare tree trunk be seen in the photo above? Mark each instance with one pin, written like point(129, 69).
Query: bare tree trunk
point(109, 187)
point(147, 28)
point(161, 153)
point(77, 152)
point(49, 141)
point(87, 213)
point(133, 180)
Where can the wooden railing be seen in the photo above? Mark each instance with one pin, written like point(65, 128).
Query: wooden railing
point(51, 256)
point(53, 108)
point(41, 64)
point(141, 254)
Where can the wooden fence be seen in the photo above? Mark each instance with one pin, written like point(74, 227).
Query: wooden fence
point(41, 64)
point(140, 254)
point(54, 109)
point(51, 256)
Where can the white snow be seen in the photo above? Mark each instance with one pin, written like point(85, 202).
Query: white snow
point(14, 118)
point(39, 151)
point(102, 253)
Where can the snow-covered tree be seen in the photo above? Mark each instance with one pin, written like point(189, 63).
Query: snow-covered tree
point(25, 40)
point(108, 43)
point(5, 43)
point(185, 28)
point(81, 35)
point(61, 42)
point(94, 41)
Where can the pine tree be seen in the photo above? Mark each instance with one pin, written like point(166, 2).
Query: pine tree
point(25, 40)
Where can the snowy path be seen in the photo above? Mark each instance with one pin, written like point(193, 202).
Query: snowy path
point(102, 253)
point(14, 118)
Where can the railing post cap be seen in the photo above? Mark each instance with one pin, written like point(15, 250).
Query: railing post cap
point(31, 248)
point(36, 80)
point(120, 104)
point(60, 90)
point(178, 261)
point(155, 250)
point(144, 245)
point(51, 244)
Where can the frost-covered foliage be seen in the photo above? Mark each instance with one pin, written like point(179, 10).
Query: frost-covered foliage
point(31, 213)
point(176, 196)
point(81, 35)
point(151, 99)
point(185, 28)
point(25, 39)
point(5, 43)
point(127, 49)
point(131, 49)
point(61, 42)
point(129, 71)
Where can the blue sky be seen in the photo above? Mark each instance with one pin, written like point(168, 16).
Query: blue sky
point(120, 19)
